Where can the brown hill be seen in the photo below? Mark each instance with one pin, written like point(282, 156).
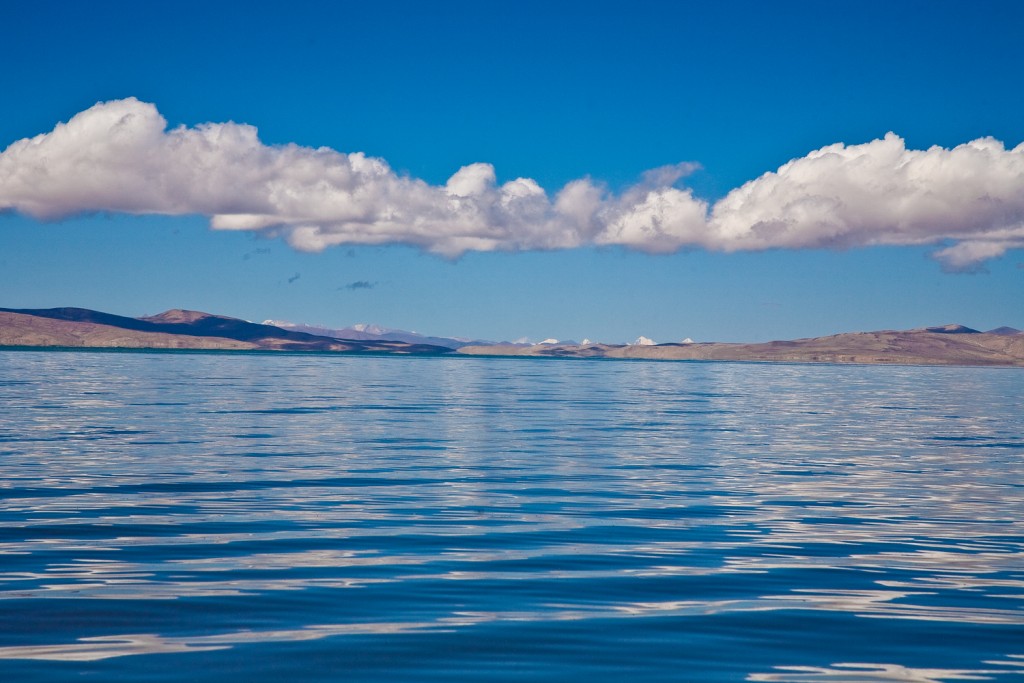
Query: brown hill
point(933, 346)
point(19, 329)
point(1004, 330)
point(177, 329)
point(176, 315)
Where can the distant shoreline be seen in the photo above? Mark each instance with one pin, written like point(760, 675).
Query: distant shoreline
point(480, 357)
point(75, 329)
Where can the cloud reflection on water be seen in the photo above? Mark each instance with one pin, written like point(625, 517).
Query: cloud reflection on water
point(866, 673)
point(468, 494)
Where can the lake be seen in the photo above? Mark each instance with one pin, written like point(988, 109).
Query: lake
point(268, 517)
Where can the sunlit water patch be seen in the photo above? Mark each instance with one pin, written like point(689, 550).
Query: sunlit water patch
point(198, 517)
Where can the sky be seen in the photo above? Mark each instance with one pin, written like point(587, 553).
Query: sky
point(728, 171)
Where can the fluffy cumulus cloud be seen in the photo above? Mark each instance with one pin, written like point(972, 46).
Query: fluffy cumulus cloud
point(120, 157)
point(883, 193)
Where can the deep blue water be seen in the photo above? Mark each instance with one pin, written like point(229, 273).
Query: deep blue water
point(205, 517)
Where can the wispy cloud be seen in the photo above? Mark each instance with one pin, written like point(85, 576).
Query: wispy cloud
point(119, 156)
point(359, 284)
point(258, 251)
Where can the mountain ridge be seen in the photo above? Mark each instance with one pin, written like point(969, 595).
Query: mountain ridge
point(376, 333)
point(81, 327)
point(941, 345)
point(951, 344)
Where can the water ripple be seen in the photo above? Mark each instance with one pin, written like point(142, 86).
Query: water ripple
point(492, 519)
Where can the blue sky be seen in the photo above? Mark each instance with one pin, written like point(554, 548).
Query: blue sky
point(553, 92)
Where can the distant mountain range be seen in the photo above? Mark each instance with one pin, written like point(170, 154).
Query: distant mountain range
point(377, 333)
point(181, 329)
point(942, 345)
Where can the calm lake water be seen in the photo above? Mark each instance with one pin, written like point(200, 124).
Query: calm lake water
point(204, 517)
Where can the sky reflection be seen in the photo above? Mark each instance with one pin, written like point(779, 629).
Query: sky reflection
point(286, 499)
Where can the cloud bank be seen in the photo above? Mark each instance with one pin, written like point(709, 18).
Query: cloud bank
point(120, 157)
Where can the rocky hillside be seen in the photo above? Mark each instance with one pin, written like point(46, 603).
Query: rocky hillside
point(946, 345)
point(175, 329)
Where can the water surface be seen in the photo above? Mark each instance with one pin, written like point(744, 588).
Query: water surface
point(211, 517)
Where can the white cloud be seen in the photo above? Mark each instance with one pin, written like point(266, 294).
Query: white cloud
point(881, 192)
point(119, 156)
point(968, 256)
